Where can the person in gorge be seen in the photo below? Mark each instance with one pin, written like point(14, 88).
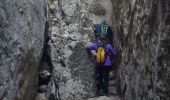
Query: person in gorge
point(104, 54)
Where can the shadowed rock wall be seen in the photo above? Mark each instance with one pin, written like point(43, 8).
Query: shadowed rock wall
point(22, 29)
point(142, 35)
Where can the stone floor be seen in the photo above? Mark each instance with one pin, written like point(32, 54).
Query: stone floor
point(105, 98)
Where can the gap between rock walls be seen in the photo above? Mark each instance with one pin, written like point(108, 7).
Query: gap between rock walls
point(140, 31)
point(47, 88)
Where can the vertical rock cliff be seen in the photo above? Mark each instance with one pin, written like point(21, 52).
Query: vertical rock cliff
point(22, 29)
point(142, 35)
point(70, 31)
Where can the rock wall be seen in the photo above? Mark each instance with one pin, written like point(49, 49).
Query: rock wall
point(70, 31)
point(22, 29)
point(142, 35)
point(66, 72)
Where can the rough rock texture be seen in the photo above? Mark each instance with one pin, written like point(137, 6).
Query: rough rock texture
point(70, 30)
point(142, 34)
point(97, 8)
point(105, 98)
point(22, 28)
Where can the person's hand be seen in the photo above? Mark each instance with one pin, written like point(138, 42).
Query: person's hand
point(93, 52)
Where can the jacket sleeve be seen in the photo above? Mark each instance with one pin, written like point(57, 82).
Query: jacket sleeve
point(91, 47)
point(112, 51)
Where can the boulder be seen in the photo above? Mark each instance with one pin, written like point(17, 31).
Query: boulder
point(22, 29)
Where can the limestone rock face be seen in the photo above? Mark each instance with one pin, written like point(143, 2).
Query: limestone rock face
point(142, 35)
point(70, 31)
point(105, 98)
point(97, 8)
point(22, 28)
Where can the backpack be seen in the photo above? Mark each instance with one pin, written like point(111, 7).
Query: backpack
point(101, 30)
point(100, 57)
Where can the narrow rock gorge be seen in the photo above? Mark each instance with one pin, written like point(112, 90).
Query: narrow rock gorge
point(70, 30)
point(43, 56)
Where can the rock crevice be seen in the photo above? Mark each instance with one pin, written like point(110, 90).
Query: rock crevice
point(44, 47)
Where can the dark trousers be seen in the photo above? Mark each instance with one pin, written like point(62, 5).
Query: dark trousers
point(102, 80)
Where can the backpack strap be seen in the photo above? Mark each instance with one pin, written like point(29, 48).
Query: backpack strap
point(104, 29)
point(101, 30)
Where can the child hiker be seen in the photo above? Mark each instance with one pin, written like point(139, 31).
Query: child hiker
point(104, 53)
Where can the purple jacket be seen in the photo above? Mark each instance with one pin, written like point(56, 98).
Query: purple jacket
point(110, 53)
